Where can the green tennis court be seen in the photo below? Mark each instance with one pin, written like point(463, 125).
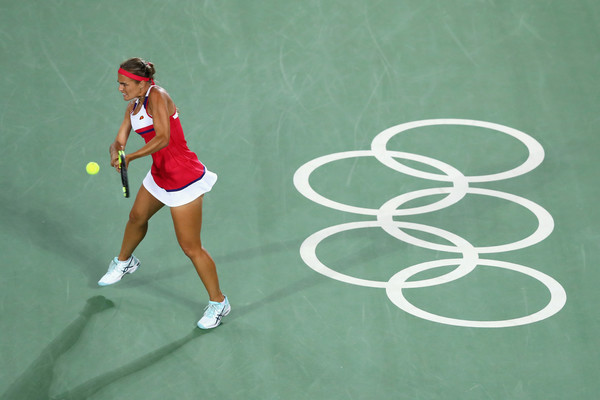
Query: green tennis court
point(406, 205)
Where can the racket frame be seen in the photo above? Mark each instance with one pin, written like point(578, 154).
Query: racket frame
point(123, 169)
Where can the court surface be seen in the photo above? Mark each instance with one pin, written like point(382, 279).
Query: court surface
point(406, 205)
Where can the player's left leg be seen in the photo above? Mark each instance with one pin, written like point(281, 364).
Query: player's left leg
point(188, 223)
point(187, 220)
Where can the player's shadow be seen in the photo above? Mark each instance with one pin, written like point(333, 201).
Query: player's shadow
point(35, 382)
point(89, 388)
point(37, 379)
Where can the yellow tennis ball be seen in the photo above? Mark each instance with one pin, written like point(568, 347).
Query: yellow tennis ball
point(92, 168)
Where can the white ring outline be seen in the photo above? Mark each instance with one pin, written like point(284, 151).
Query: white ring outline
point(544, 229)
point(308, 252)
point(302, 184)
point(558, 296)
point(535, 158)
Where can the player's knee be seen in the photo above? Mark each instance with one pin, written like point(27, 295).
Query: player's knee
point(137, 218)
point(191, 249)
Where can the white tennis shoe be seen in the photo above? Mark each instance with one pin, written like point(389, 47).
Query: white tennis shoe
point(117, 269)
point(213, 313)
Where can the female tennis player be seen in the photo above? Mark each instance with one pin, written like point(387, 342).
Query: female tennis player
point(176, 179)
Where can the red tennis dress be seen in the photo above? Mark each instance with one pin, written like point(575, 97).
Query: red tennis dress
point(176, 176)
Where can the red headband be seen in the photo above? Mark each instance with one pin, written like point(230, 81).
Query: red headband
point(134, 76)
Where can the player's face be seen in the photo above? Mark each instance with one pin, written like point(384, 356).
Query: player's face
point(130, 88)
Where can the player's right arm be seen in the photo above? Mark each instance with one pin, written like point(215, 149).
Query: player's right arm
point(121, 139)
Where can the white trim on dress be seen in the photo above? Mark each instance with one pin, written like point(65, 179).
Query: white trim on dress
point(183, 196)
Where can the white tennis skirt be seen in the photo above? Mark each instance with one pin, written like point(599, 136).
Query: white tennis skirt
point(183, 196)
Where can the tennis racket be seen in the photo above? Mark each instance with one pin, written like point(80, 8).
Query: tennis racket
point(123, 168)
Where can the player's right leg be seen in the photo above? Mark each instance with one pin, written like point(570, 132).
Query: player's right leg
point(144, 207)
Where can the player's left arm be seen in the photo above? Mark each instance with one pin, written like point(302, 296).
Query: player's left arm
point(158, 106)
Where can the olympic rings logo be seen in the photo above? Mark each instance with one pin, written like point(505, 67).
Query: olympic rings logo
point(461, 186)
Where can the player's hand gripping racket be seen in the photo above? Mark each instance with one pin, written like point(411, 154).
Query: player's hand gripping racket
point(123, 168)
